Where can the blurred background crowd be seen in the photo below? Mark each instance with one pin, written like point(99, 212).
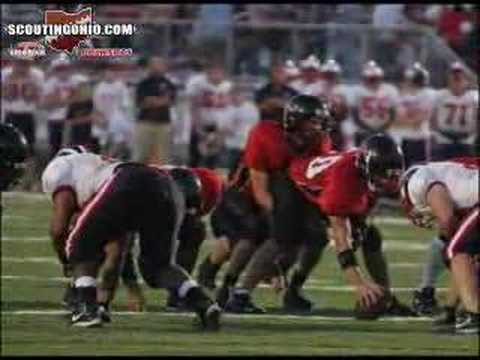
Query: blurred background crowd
point(203, 74)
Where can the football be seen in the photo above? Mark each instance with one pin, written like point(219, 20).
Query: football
point(371, 312)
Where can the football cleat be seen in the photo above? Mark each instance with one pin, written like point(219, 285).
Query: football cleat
point(205, 278)
point(223, 295)
point(104, 314)
point(210, 318)
point(241, 303)
point(86, 315)
point(396, 308)
point(174, 303)
point(70, 297)
point(424, 302)
point(445, 322)
point(294, 301)
point(469, 325)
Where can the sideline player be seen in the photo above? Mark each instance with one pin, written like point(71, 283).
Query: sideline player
point(447, 192)
point(115, 199)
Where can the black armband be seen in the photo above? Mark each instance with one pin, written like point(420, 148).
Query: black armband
point(347, 259)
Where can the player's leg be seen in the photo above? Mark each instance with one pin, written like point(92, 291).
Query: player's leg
point(103, 219)
point(159, 224)
point(191, 236)
point(109, 275)
point(315, 240)
point(424, 302)
point(129, 275)
point(283, 248)
point(248, 230)
point(461, 251)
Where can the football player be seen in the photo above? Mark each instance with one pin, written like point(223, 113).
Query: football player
point(115, 199)
point(298, 232)
point(447, 192)
point(309, 82)
point(373, 103)
point(454, 127)
point(414, 109)
point(455, 117)
point(368, 172)
point(240, 227)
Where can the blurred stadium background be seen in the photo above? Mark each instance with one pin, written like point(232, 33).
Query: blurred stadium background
point(246, 40)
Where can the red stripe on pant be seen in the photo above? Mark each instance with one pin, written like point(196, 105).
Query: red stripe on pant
point(464, 229)
point(84, 215)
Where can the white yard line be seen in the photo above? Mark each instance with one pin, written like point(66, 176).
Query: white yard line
point(44, 239)
point(234, 316)
point(45, 259)
point(311, 285)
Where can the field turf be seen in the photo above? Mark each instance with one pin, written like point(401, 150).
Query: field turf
point(34, 322)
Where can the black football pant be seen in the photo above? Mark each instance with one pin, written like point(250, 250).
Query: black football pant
point(136, 198)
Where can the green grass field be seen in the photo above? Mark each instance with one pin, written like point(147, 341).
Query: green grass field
point(34, 323)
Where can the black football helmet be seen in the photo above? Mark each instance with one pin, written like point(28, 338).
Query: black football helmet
point(13, 153)
point(382, 163)
point(305, 118)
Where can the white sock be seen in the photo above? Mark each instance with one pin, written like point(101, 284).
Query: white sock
point(85, 281)
point(185, 287)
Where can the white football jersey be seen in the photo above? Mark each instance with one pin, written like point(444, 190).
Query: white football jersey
point(417, 105)
point(21, 94)
point(62, 88)
point(210, 102)
point(83, 173)
point(374, 106)
point(455, 115)
point(460, 179)
point(112, 100)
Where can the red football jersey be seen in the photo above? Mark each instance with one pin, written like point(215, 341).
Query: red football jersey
point(333, 183)
point(267, 148)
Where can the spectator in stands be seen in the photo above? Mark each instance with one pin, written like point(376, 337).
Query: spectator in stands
point(155, 96)
point(271, 97)
point(112, 103)
point(400, 14)
point(58, 94)
point(454, 25)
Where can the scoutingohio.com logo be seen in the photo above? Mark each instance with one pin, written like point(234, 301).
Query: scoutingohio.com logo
point(68, 32)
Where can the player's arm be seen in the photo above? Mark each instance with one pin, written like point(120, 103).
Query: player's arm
point(64, 207)
point(263, 197)
point(368, 293)
point(443, 209)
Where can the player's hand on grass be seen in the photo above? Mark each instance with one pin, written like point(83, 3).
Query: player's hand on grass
point(369, 293)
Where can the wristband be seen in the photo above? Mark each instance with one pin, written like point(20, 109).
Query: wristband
point(347, 259)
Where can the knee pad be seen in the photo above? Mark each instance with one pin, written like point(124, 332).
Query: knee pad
point(373, 240)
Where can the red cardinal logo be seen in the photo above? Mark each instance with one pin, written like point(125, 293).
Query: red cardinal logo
point(67, 42)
